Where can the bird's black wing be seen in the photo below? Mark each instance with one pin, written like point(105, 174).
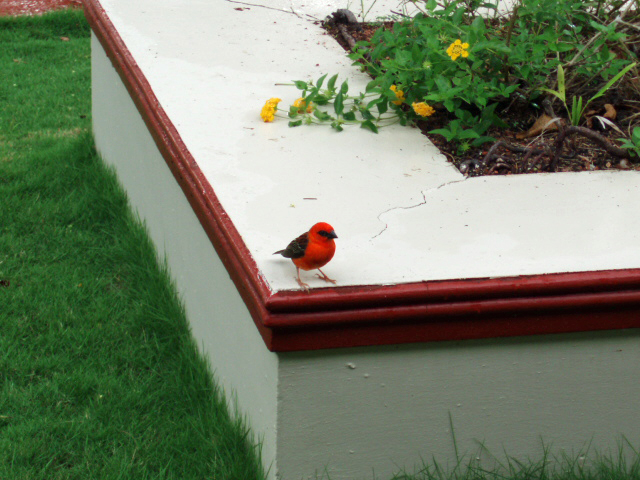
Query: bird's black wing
point(296, 248)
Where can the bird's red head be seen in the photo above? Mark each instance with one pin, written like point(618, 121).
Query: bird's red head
point(322, 232)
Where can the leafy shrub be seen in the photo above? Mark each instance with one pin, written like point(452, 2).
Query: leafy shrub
point(473, 67)
point(512, 59)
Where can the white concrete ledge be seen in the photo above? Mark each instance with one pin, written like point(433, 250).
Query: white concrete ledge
point(424, 254)
point(402, 212)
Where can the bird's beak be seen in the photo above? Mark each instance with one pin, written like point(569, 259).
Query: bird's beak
point(332, 234)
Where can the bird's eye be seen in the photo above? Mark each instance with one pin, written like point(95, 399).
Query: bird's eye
point(324, 233)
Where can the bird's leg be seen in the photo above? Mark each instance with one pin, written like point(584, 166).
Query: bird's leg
point(324, 277)
point(303, 285)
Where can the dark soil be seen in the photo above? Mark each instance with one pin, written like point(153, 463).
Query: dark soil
point(537, 153)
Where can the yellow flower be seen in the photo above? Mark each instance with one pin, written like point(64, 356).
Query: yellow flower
point(399, 95)
point(423, 109)
point(300, 104)
point(269, 109)
point(458, 49)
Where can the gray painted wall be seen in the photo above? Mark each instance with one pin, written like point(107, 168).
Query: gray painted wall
point(384, 408)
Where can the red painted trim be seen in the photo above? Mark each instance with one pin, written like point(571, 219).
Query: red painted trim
point(215, 221)
point(450, 290)
point(377, 315)
point(426, 313)
point(465, 328)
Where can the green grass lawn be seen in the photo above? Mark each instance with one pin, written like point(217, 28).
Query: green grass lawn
point(99, 377)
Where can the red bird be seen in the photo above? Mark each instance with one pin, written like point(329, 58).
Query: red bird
point(312, 250)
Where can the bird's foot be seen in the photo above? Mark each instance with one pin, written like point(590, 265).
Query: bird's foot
point(304, 286)
point(324, 277)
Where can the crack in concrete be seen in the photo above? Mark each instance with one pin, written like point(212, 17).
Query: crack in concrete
point(423, 202)
point(311, 18)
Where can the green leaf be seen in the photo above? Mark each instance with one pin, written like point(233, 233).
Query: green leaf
point(478, 24)
point(449, 104)
point(576, 110)
point(355, 56)
point(462, 80)
point(332, 82)
point(300, 85)
point(553, 92)
point(446, 133)
point(369, 125)
point(297, 123)
point(338, 103)
point(457, 17)
point(560, 46)
point(565, 47)
point(598, 26)
point(321, 99)
point(443, 83)
point(477, 65)
point(366, 114)
point(561, 84)
point(493, 6)
point(382, 106)
point(465, 115)
point(311, 97)
point(417, 53)
point(349, 116)
point(525, 71)
point(469, 133)
point(611, 82)
point(483, 139)
point(431, 5)
point(344, 88)
point(506, 91)
point(374, 102)
point(321, 81)
point(322, 116)
point(371, 85)
point(403, 58)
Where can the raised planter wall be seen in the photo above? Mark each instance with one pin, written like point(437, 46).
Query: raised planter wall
point(219, 319)
point(366, 375)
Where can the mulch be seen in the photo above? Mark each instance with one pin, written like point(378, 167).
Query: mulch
point(35, 7)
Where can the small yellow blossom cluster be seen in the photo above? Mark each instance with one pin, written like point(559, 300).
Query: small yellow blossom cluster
point(269, 109)
point(423, 109)
point(458, 49)
point(301, 103)
point(420, 108)
point(399, 95)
